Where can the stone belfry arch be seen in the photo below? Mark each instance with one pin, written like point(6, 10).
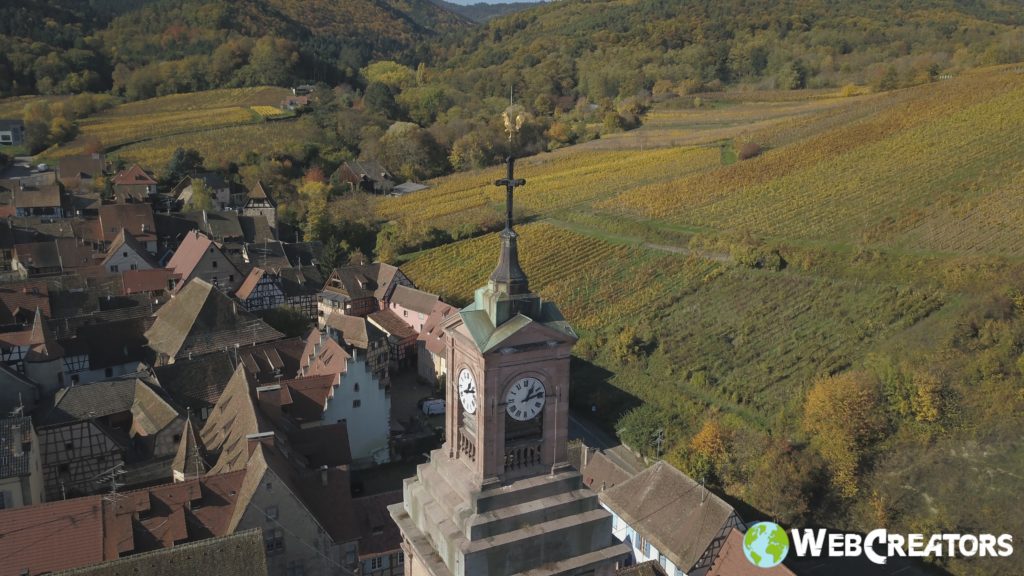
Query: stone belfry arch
point(499, 497)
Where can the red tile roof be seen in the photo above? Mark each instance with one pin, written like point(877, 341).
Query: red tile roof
point(189, 254)
point(132, 176)
point(380, 534)
point(135, 281)
point(329, 359)
point(432, 334)
point(731, 560)
point(72, 528)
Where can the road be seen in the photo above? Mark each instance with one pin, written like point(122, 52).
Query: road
point(594, 437)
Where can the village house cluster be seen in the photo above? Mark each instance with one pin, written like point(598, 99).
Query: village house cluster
point(151, 416)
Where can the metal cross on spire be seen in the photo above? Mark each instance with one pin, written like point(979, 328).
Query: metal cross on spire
point(510, 182)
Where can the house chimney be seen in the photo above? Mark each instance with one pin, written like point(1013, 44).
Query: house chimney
point(323, 475)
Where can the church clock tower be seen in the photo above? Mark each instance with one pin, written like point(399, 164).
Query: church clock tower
point(499, 497)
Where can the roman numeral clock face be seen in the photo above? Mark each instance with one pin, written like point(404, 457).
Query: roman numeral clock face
point(525, 399)
point(467, 391)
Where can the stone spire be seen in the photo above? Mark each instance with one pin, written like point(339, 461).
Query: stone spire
point(43, 345)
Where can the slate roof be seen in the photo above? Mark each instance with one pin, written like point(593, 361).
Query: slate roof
point(678, 515)
point(305, 281)
point(355, 331)
point(15, 435)
point(238, 554)
point(731, 560)
point(123, 240)
point(304, 253)
point(362, 281)
point(200, 319)
point(413, 299)
point(269, 255)
point(255, 228)
point(150, 412)
point(197, 382)
point(392, 325)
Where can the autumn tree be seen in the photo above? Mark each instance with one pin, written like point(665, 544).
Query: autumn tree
point(202, 196)
point(411, 152)
point(844, 415)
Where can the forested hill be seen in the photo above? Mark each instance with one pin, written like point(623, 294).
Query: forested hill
point(144, 48)
point(553, 53)
point(610, 48)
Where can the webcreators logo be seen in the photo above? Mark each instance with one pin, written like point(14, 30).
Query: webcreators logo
point(766, 544)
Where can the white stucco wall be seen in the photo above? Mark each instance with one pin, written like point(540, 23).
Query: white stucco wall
point(369, 424)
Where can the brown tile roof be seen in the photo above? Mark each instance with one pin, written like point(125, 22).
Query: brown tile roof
point(600, 473)
point(74, 528)
point(22, 299)
point(391, 324)
point(378, 532)
point(323, 356)
point(137, 219)
point(190, 459)
point(91, 165)
point(303, 399)
point(133, 176)
point(200, 319)
point(270, 361)
point(678, 515)
point(156, 280)
point(432, 334)
point(731, 560)
point(231, 420)
point(238, 554)
point(250, 283)
point(649, 568)
point(258, 192)
point(355, 331)
point(45, 196)
point(150, 412)
point(413, 299)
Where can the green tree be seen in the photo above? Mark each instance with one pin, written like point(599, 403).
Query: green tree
point(412, 152)
point(184, 161)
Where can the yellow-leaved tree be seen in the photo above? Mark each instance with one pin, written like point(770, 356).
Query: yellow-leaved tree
point(844, 415)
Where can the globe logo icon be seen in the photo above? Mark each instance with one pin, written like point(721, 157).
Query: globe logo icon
point(765, 544)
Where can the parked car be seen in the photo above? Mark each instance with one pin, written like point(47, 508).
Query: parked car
point(432, 406)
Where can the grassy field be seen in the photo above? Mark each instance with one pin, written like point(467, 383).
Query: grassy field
point(879, 233)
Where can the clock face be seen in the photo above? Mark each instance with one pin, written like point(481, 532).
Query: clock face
point(525, 399)
point(467, 390)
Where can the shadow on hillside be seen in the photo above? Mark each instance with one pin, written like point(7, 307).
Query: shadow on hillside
point(595, 398)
